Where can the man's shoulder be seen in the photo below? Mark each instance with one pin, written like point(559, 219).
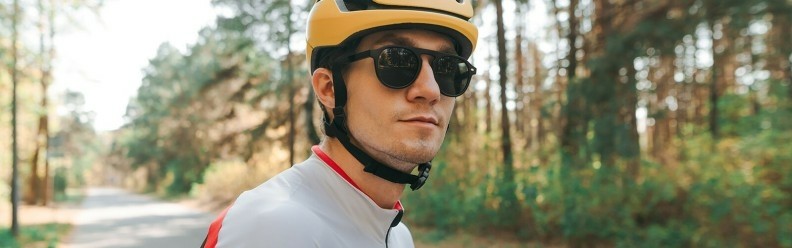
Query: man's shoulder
point(285, 184)
point(279, 224)
point(274, 211)
point(278, 214)
point(280, 195)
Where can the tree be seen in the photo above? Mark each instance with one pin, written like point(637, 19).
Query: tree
point(509, 203)
point(290, 80)
point(15, 152)
point(275, 19)
point(39, 185)
point(575, 114)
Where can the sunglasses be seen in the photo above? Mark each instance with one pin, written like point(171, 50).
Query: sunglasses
point(397, 67)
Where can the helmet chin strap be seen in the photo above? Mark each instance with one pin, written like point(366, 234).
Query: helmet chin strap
point(338, 129)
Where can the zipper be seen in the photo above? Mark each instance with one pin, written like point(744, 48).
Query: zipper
point(387, 235)
point(394, 223)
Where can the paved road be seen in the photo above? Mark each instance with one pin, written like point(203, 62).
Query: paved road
point(112, 217)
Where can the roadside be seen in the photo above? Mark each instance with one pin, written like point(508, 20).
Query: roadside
point(40, 226)
point(428, 237)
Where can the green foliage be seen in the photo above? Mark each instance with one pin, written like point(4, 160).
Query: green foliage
point(183, 96)
point(60, 182)
point(46, 235)
point(75, 147)
point(450, 206)
point(735, 191)
point(734, 112)
point(708, 201)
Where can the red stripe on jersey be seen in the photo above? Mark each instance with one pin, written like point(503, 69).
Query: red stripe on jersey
point(214, 229)
point(329, 161)
point(333, 165)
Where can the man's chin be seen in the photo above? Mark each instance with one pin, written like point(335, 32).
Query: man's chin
point(420, 155)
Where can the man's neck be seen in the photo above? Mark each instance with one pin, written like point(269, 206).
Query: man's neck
point(383, 192)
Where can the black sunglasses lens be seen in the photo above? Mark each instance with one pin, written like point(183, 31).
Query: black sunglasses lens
point(452, 75)
point(397, 67)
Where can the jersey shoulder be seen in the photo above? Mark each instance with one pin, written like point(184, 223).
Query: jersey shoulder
point(271, 214)
point(280, 225)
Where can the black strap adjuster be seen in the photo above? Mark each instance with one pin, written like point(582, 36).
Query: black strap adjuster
point(423, 175)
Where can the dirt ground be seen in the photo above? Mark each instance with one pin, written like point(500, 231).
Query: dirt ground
point(32, 215)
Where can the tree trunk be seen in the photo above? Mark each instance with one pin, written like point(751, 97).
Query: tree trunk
point(560, 86)
point(661, 112)
point(713, 99)
point(33, 193)
point(37, 184)
point(471, 112)
point(603, 85)
point(780, 49)
point(509, 203)
point(684, 95)
point(537, 99)
point(290, 85)
point(715, 85)
point(45, 81)
point(308, 107)
point(292, 115)
point(575, 125)
point(519, 69)
point(572, 38)
point(488, 100)
point(14, 145)
point(632, 152)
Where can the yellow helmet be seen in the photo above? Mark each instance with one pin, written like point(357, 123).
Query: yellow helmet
point(331, 22)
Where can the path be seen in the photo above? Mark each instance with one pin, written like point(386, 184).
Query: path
point(111, 217)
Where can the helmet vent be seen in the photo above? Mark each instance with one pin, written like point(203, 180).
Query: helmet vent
point(353, 5)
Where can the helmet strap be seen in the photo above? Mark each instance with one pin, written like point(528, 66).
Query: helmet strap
point(338, 129)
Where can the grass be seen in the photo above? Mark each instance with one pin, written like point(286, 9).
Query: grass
point(426, 237)
point(44, 235)
point(71, 197)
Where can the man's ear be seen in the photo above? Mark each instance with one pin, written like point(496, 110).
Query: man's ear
point(322, 82)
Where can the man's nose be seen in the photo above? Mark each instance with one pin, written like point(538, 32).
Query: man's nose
point(425, 87)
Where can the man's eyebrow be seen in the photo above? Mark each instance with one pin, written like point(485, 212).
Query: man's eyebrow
point(398, 40)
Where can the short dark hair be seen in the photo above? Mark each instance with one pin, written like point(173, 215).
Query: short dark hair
point(326, 59)
point(328, 55)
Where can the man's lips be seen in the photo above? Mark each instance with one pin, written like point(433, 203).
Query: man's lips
point(427, 119)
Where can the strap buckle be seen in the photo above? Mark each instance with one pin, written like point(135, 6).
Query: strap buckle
point(423, 175)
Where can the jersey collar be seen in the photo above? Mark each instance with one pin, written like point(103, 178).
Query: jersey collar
point(329, 161)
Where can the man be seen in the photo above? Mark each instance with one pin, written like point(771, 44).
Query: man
point(386, 74)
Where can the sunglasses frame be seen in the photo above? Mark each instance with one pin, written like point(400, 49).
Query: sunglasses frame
point(375, 53)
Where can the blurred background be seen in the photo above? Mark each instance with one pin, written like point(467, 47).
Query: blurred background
point(604, 123)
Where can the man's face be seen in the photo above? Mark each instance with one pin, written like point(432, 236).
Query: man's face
point(399, 127)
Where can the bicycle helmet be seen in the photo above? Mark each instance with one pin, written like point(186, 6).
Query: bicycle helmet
point(332, 22)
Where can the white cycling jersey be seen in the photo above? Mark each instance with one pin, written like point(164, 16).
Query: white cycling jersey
point(312, 204)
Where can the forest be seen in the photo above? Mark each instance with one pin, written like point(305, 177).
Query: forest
point(616, 123)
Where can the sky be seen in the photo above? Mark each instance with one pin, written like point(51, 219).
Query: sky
point(104, 57)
